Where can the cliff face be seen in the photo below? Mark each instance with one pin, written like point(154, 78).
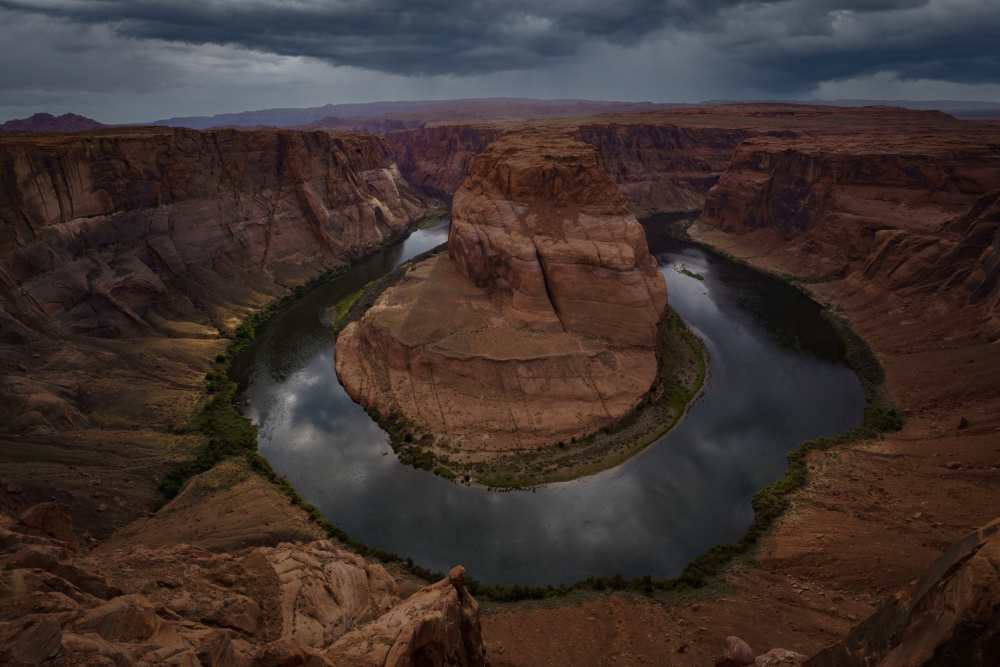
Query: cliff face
point(439, 159)
point(92, 225)
point(165, 238)
point(825, 199)
point(541, 323)
point(540, 223)
point(662, 168)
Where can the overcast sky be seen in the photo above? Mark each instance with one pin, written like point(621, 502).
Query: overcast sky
point(140, 60)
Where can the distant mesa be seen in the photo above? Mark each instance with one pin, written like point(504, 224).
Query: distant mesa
point(46, 122)
point(541, 323)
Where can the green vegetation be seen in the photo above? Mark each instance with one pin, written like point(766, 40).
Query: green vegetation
point(688, 272)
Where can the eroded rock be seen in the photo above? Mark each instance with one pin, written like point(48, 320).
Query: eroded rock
point(540, 324)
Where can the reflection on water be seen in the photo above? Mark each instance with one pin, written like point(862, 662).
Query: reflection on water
point(776, 379)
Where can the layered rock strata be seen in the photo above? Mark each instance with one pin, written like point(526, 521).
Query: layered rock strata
point(439, 159)
point(168, 239)
point(664, 168)
point(541, 323)
point(826, 198)
point(92, 225)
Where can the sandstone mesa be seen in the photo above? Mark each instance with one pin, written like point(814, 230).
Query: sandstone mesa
point(541, 324)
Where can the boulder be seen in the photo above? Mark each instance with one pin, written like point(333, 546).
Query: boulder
point(47, 520)
point(737, 654)
point(287, 652)
point(237, 613)
point(437, 625)
point(59, 562)
point(126, 618)
point(29, 640)
point(325, 590)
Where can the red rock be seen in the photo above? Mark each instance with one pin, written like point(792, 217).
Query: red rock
point(661, 167)
point(226, 210)
point(237, 613)
point(543, 321)
point(952, 610)
point(438, 625)
point(737, 654)
point(59, 563)
point(46, 519)
point(287, 652)
point(439, 159)
point(29, 640)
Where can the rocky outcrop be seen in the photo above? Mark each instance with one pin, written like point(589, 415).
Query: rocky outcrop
point(439, 159)
point(93, 227)
point(543, 321)
point(663, 168)
point(437, 625)
point(187, 606)
point(950, 616)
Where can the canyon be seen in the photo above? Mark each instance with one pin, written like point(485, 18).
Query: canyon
point(126, 252)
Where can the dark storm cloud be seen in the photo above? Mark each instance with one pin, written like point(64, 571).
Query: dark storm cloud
point(393, 36)
point(779, 46)
point(943, 40)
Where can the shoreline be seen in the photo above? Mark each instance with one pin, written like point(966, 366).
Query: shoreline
point(702, 573)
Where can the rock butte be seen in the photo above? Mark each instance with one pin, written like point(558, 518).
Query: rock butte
point(541, 323)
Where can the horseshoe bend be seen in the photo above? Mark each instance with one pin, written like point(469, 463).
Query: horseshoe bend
point(139, 524)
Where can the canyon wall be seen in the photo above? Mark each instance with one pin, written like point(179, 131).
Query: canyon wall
point(663, 168)
point(92, 225)
point(125, 256)
point(827, 199)
point(439, 159)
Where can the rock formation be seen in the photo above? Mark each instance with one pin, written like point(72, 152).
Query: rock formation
point(950, 616)
point(543, 321)
point(186, 606)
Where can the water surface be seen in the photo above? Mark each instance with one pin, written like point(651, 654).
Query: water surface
point(777, 378)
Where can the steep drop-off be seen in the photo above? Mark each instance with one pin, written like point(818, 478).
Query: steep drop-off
point(663, 168)
point(825, 198)
point(439, 159)
point(542, 323)
point(91, 225)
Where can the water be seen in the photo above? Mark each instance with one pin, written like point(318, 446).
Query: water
point(777, 378)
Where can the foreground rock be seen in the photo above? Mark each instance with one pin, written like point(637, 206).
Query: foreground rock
point(187, 606)
point(950, 616)
point(542, 323)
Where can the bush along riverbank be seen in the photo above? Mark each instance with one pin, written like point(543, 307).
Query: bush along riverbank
point(228, 434)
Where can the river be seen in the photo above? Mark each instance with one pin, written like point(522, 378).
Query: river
point(777, 377)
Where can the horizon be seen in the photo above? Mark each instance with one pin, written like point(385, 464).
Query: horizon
point(944, 105)
point(135, 62)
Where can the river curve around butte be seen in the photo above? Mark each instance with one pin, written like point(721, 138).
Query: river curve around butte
point(777, 378)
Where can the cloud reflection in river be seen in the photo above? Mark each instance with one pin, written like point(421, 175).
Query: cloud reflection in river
point(772, 385)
